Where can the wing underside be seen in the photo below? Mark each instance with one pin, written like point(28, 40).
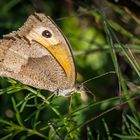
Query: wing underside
point(24, 64)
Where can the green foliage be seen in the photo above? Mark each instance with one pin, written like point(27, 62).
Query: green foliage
point(106, 65)
point(131, 128)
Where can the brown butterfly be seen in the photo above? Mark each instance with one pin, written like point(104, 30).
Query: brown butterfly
point(39, 55)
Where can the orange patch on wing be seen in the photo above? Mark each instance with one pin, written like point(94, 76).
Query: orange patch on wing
point(59, 52)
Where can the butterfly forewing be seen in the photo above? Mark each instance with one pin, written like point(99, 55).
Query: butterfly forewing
point(38, 55)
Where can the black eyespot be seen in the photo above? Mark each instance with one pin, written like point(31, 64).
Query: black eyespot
point(46, 34)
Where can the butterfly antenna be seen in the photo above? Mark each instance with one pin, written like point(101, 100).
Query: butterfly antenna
point(104, 74)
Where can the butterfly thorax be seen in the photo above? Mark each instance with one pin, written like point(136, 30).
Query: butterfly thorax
point(67, 92)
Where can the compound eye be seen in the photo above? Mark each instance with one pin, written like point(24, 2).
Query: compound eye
point(47, 34)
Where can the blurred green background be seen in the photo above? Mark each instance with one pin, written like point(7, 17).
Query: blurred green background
point(104, 36)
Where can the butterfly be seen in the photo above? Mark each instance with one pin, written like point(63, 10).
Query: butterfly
point(39, 55)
